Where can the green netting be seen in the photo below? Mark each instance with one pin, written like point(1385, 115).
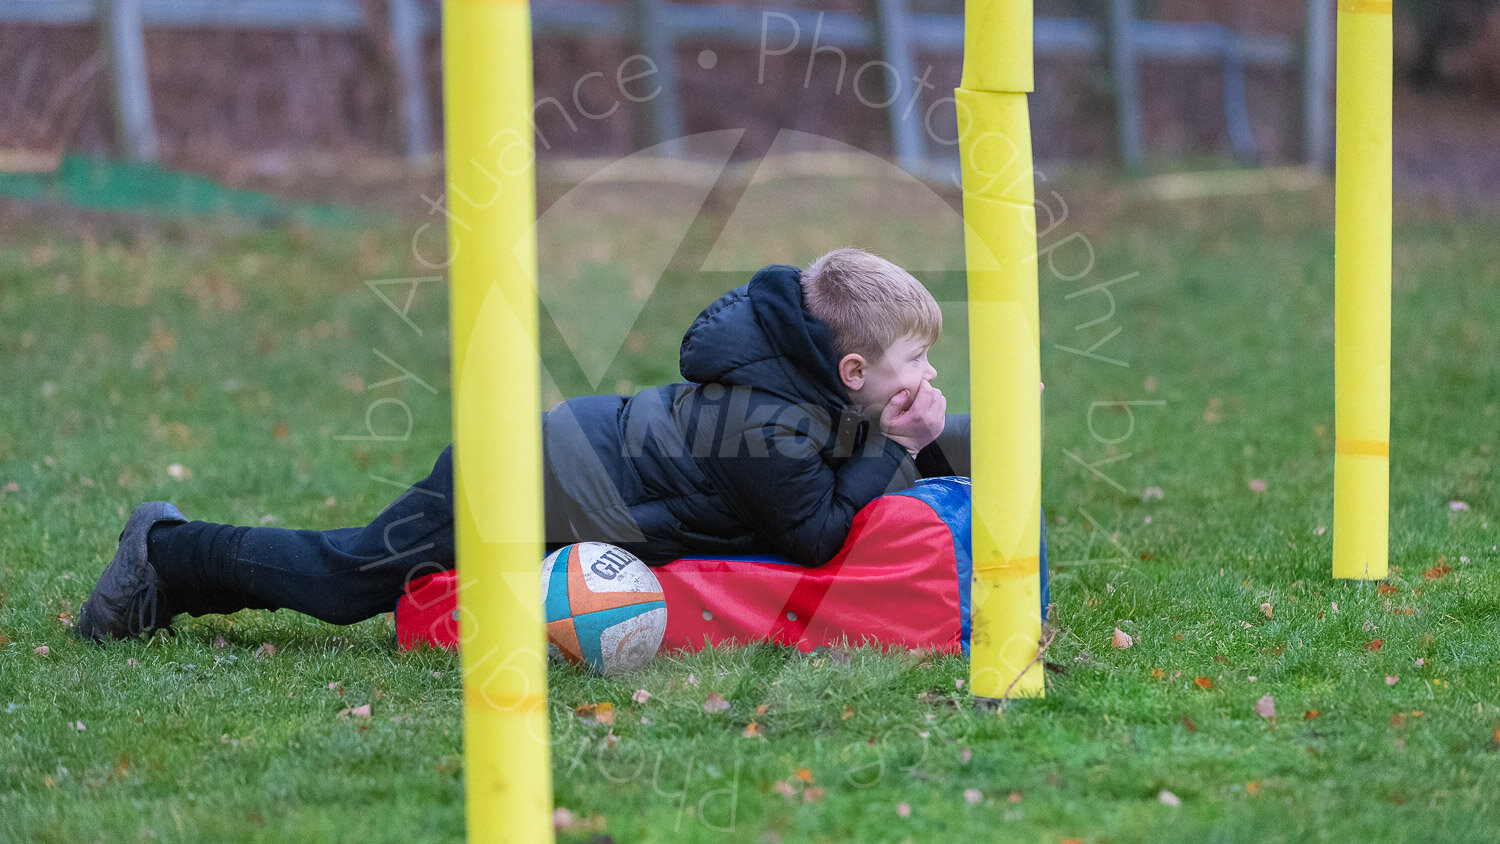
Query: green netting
point(101, 184)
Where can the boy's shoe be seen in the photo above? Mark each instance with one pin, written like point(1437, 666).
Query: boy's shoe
point(127, 600)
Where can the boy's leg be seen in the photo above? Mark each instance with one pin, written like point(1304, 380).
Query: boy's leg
point(340, 576)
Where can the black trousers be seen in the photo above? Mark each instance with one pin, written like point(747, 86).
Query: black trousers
point(350, 574)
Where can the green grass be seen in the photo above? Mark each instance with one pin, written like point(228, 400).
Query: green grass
point(241, 354)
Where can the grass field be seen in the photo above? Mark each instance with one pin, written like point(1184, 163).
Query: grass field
point(217, 365)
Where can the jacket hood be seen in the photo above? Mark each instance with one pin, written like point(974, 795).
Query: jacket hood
point(760, 335)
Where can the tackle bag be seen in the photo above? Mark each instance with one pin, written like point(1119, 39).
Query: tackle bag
point(901, 580)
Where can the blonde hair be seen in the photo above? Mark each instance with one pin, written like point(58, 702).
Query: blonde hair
point(868, 302)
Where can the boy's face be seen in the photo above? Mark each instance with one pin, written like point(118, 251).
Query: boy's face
point(904, 366)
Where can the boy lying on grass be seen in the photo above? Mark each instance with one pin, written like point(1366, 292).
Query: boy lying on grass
point(808, 394)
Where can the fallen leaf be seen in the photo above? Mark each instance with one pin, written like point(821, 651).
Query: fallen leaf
point(715, 702)
point(266, 650)
point(973, 796)
point(812, 794)
point(1188, 724)
point(1390, 679)
point(848, 713)
point(641, 696)
point(903, 810)
point(804, 774)
point(604, 713)
point(1121, 639)
point(1252, 788)
point(586, 711)
point(1169, 799)
point(1368, 627)
point(761, 710)
point(42, 650)
point(752, 729)
point(1015, 797)
point(1437, 571)
point(1258, 485)
point(1266, 707)
point(784, 788)
point(1158, 673)
point(1310, 714)
point(1398, 720)
point(1374, 644)
point(361, 711)
point(1203, 682)
point(1266, 608)
point(1386, 589)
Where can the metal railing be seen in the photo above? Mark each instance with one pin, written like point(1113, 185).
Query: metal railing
point(654, 27)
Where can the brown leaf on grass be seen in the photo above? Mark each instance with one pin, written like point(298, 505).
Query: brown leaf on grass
point(1203, 682)
point(752, 730)
point(1121, 639)
point(1437, 571)
point(1266, 707)
point(715, 702)
point(361, 711)
point(848, 713)
point(1392, 679)
point(761, 710)
point(604, 713)
point(1374, 644)
point(1188, 724)
point(1266, 608)
point(1015, 797)
point(1252, 788)
point(42, 650)
point(804, 774)
point(1158, 673)
point(1387, 589)
point(1311, 714)
point(812, 794)
point(1398, 720)
point(266, 650)
point(586, 711)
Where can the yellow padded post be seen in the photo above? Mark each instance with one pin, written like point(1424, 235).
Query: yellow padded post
point(1004, 348)
point(496, 413)
point(997, 46)
point(1362, 269)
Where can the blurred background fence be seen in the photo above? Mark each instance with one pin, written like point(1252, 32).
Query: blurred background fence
point(188, 80)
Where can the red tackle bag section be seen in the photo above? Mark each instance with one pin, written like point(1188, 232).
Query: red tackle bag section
point(901, 580)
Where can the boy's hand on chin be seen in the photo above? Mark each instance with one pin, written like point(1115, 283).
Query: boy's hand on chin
point(913, 421)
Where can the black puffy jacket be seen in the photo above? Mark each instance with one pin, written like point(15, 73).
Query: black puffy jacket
point(758, 452)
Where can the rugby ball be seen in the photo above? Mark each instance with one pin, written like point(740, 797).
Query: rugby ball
point(604, 608)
